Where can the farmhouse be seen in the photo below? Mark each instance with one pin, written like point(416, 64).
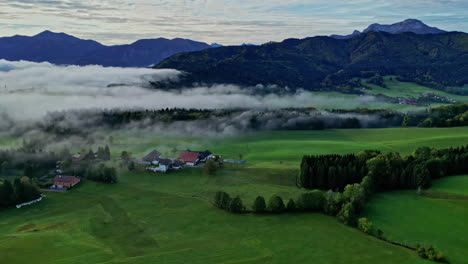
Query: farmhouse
point(191, 158)
point(152, 158)
point(65, 181)
point(205, 155)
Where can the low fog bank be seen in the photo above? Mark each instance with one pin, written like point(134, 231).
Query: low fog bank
point(61, 105)
point(28, 91)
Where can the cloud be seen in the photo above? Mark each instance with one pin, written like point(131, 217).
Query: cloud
point(28, 91)
point(221, 21)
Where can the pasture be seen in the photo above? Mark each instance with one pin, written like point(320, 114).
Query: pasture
point(168, 218)
point(396, 88)
point(437, 217)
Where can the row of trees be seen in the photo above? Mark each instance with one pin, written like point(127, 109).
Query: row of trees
point(102, 173)
point(330, 171)
point(389, 171)
point(22, 190)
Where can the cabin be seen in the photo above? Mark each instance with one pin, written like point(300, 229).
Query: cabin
point(191, 158)
point(205, 155)
point(65, 181)
point(152, 158)
point(165, 165)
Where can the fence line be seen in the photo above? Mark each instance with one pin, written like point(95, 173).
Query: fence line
point(31, 202)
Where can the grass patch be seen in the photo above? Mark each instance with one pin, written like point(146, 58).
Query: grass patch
point(436, 218)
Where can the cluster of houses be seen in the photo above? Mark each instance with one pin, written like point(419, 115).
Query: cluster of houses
point(188, 158)
point(439, 98)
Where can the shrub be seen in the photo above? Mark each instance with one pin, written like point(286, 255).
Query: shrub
point(347, 214)
point(366, 226)
point(210, 167)
point(276, 204)
point(236, 206)
point(259, 205)
point(333, 202)
point(291, 206)
point(311, 201)
point(222, 200)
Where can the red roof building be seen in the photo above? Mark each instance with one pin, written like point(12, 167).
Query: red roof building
point(65, 181)
point(189, 157)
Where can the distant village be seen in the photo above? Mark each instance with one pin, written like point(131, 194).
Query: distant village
point(156, 163)
point(426, 98)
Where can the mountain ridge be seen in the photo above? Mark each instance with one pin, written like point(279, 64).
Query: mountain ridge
point(61, 48)
point(409, 25)
point(322, 62)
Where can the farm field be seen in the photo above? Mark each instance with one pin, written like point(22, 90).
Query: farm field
point(396, 88)
point(169, 218)
point(437, 217)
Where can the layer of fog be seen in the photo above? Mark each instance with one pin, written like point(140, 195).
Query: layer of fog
point(28, 91)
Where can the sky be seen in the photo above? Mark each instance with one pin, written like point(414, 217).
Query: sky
point(229, 22)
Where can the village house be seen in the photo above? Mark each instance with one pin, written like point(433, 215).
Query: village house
point(151, 159)
point(204, 155)
point(191, 158)
point(65, 181)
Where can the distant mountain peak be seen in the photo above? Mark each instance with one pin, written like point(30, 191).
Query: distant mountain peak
point(409, 25)
point(52, 35)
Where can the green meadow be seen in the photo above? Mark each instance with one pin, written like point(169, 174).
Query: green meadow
point(168, 218)
point(396, 88)
point(436, 217)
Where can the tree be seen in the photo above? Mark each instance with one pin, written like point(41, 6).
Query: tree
point(311, 201)
point(276, 204)
point(406, 121)
point(131, 166)
point(332, 202)
point(291, 206)
point(7, 194)
point(107, 154)
point(236, 206)
point(259, 205)
point(210, 167)
point(366, 226)
point(347, 214)
point(222, 200)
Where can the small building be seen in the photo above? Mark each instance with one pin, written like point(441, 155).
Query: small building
point(191, 158)
point(65, 181)
point(205, 155)
point(152, 158)
point(165, 165)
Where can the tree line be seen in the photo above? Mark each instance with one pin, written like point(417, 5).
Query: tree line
point(22, 190)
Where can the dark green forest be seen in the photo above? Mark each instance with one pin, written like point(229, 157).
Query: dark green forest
point(324, 63)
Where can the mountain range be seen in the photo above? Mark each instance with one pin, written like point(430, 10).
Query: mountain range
point(408, 25)
point(328, 63)
point(60, 48)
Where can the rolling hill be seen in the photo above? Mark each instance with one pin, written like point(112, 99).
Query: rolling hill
point(319, 63)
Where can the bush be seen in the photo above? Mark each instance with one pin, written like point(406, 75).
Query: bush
point(291, 206)
point(210, 167)
point(333, 202)
point(236, 206)
point(276, 204)
point(311, 201)
point(259, 205)
point(222, 200)
point(347, 214)
point(366, 226)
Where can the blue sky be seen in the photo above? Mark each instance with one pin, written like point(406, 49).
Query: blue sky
point(221, 21)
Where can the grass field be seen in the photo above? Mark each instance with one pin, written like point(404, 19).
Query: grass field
point(396, 88)
point(438, 217)
point(167, 218)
